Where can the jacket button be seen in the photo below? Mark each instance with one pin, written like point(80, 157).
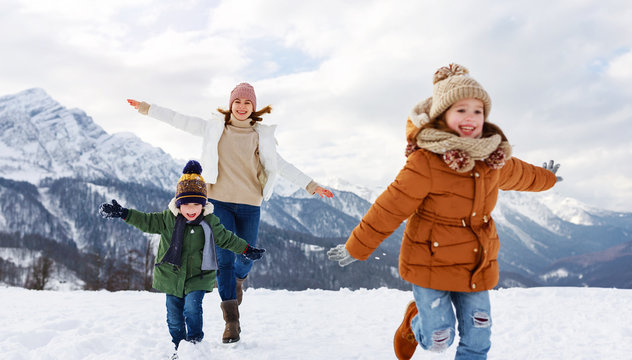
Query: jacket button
point(435, 244)
point(473, 286)
point(474, 213)
point(475, 249)
point(476, 174)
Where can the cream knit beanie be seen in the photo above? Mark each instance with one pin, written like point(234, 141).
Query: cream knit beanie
point(453, 83)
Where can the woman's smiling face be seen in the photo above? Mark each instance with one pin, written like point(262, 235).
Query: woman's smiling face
point(242, 108)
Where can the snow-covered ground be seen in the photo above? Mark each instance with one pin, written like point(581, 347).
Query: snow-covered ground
point(536, 323)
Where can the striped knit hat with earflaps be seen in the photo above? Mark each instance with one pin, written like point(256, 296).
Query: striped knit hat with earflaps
point(191, 186)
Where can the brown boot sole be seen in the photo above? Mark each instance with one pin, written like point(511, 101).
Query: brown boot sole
point(230, 341)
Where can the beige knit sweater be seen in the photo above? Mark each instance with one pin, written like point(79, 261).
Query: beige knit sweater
point(239, 166)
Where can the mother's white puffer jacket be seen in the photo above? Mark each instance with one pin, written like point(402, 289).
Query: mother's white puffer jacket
point(211, 131)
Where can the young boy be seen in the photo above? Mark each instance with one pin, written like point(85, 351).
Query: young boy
point(186, 261)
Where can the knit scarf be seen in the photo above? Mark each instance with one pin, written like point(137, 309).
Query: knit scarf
point(460, 153)
point(173, 255)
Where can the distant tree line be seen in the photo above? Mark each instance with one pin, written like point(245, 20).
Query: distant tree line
point(293, 261)
point(133, 272)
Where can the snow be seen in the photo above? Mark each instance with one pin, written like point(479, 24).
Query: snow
point(19, 257)
point(569, 209)
point(534, 323)
point(556, 274)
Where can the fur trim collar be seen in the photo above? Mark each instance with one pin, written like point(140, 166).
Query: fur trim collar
point(419, 114)
point(417, 118)
point(208, 208)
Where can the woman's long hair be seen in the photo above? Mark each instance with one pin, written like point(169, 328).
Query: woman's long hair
point(254, 117)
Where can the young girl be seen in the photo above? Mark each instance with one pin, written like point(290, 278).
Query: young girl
point(242, 165)
point(185, 262)
point(447, 191)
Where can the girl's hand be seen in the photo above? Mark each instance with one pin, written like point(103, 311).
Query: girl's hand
point(341, 255)
point(553, 167)
point(134, 103)
point(324, 192)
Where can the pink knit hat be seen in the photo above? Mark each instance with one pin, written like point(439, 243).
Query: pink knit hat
point(243, 91)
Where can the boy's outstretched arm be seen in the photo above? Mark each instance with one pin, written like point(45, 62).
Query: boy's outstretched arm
point(145, 222)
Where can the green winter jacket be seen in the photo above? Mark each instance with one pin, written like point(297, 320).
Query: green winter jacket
point(189, 277)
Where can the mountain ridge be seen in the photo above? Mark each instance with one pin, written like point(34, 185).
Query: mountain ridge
point(66, 160)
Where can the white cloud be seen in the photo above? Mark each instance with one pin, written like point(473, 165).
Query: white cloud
point(342, 76)
point(620, 68)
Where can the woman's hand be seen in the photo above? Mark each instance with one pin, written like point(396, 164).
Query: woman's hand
point(323, 192)
point(141, 106)
point(134, 103)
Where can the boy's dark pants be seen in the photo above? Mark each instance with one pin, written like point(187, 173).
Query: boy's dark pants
point(184, 317)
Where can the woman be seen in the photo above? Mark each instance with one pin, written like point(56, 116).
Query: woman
point(241, 167)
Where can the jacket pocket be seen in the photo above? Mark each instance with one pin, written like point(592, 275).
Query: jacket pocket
point(452, 245)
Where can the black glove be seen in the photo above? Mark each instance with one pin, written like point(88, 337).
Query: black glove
point(114, 210)
point(253, 253)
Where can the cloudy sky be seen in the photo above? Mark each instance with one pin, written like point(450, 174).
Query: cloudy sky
point(342, 76)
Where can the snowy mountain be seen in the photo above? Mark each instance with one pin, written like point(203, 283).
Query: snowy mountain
point(57, 166)
point(39, 138)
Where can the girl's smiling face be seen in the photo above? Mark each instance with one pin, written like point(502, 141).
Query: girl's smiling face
point(242, 108)
point(191, 210)
point(466, 117)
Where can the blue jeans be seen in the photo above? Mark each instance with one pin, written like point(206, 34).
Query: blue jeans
point(433, 326)
point(243, 221)
point(185, 311)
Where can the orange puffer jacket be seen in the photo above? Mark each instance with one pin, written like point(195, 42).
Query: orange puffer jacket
point(450, 241)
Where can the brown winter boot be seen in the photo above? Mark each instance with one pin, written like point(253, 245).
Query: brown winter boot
point(404, 342)
point(231, 317)
point(240, 289)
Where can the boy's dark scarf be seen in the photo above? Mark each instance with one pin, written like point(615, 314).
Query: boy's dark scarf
point(173, 255)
